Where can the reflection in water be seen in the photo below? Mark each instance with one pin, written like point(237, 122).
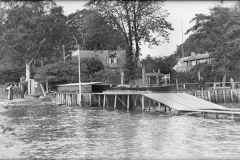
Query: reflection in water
point(64, 132)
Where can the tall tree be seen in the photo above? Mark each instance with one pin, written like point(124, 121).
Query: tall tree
point(137, 21)
point(32, 30)
point(220, 32)
point(95, 30)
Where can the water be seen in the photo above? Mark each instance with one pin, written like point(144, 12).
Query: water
point(65, 132)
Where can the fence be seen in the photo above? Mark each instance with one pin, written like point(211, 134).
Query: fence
point(208, 85)
point(217, 95)
point(4, 92)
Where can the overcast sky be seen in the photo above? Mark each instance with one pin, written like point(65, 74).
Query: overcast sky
point(181, 12)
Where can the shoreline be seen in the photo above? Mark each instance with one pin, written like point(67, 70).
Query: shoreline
point(27, 101)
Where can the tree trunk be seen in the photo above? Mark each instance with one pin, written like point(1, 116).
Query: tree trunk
point(28, 72)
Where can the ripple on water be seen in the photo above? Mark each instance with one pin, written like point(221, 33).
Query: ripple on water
point(65, 132)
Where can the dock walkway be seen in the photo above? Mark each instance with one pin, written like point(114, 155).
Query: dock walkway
point(181, 102)
point(188, 103)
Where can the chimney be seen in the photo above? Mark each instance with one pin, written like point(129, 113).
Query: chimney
point(193, 54)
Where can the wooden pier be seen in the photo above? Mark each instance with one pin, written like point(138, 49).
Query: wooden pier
point(177, 103)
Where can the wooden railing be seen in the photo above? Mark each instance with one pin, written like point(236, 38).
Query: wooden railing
point(16, 93)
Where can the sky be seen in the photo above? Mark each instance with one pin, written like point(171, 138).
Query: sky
point(181, 13)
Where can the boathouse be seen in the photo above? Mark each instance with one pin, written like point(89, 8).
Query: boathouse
point(87, 87)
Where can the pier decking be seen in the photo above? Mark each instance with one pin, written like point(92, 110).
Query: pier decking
point(167, 102)
point(180, 102)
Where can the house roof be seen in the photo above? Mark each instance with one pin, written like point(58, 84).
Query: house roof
point(197, 57)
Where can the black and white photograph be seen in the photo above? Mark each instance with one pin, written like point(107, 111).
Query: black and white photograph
point(119, 79)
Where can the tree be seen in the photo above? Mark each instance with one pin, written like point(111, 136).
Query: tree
point(107, 76)
point(137, 22)
point(67, 72)
point(219, 32)
point(33, 30)
point(95, 30)
point(162, 64)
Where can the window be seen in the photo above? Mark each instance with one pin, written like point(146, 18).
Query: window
point(112, 60)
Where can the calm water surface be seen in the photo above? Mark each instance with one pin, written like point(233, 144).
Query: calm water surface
point(64, 132)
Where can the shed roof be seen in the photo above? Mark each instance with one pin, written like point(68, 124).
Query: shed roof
point(76, 84)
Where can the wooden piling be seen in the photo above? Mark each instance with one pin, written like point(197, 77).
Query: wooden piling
point(143, 103)
point(209, 96)
point(90, 99)
point(107, 104)
point(104, 101)
point(231, 95)
point(115, 102)
point(135, 100)
point(224, 96)
point(216, 95)
point(149, 104)
point(128, 102)
point(202, 94)
point(99, 101)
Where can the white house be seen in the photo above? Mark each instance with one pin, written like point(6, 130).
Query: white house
point(187, 63)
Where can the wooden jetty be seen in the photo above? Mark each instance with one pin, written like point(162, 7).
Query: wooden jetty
point(179, 103)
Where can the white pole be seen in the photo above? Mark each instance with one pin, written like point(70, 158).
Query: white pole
point(64, 56)
point(79, 77)
point(182, 40)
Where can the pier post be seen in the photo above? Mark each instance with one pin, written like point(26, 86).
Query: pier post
point(90, 99)
point(143, 103)
point(231, 94)
point(135, 100)
point(104, 101)
point(149, 104)
point(107, 104)
point(115, 102)
point(216, 115)
point(99, 101)
point(128, 102)
point(209, 96)
point(224, 96)
point(216, 96)
point(177, 85)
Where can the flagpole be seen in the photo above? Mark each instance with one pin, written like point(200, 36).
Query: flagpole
point(182, 40)
point(79, 78)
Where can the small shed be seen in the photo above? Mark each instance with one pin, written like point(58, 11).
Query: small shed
point(86, 87)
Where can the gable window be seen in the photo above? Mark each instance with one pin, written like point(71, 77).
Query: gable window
point(112, 60)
